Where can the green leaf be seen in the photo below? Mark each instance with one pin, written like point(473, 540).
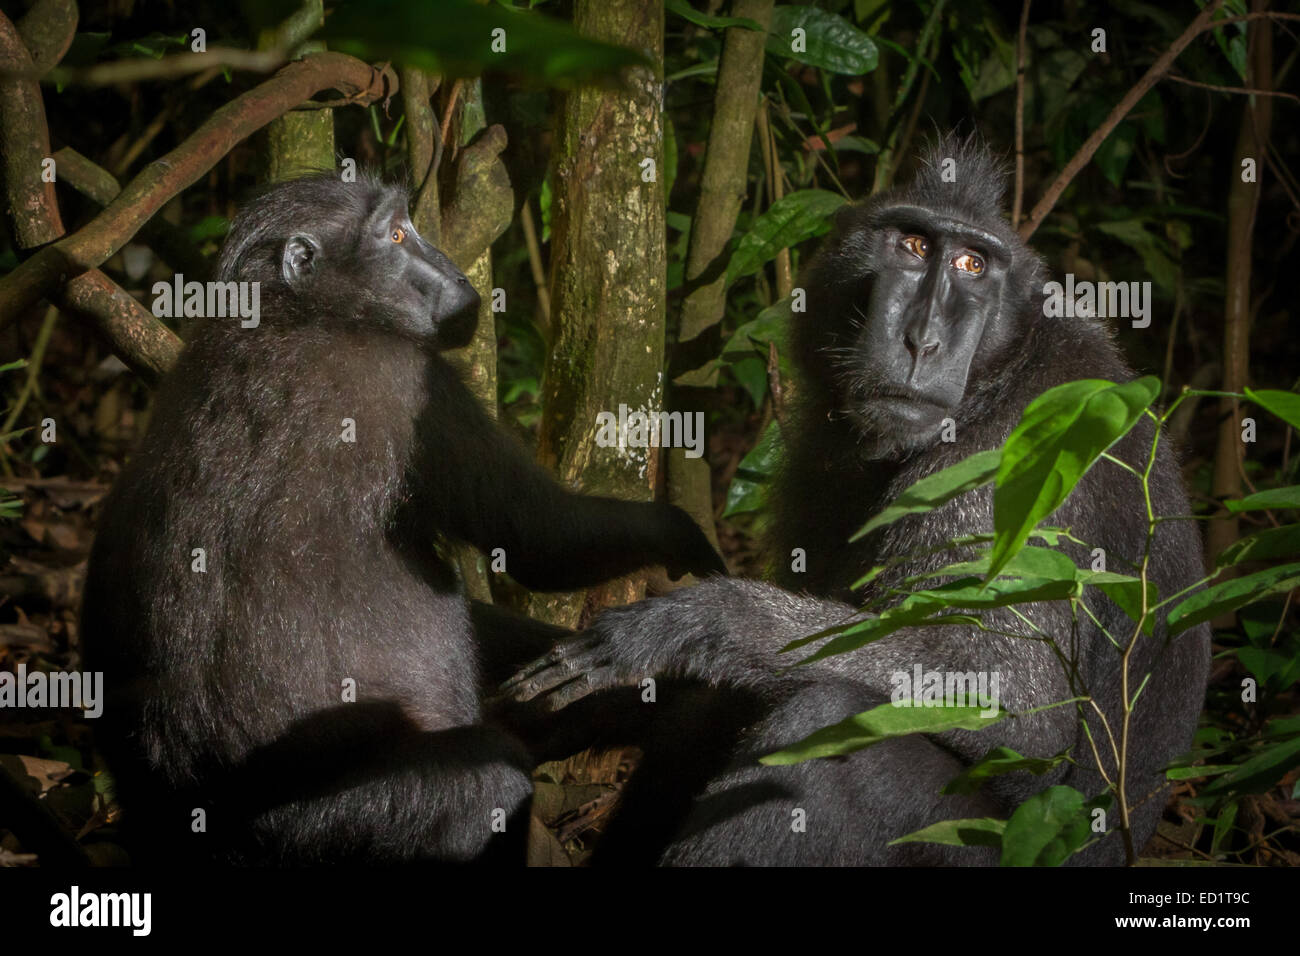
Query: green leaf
point(1113, 155)
point(1231, 594)
point(684, 10)
point(788, 221)
point(1223, 826)
point(1282, 728)
point(1059, 437)
point(748, 490)
point(937, 489)
point(917, 607)
point(998, 761)
point(209, 227)
point(880, 723)
point(1287, 497)
point(979, 831)
point(1270, 665)
point(1261, 546)
point(1133, 233)
point(751, 373)
point(1030, 561)
point(458, 41)
point(1285, 405)
point(1196, 773)
point(752, 337)
point(1048, 828)
point(1127, 594)
point(831, 42)
point(1260, 773)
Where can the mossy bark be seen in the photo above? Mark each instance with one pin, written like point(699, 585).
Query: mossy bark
point(608, 277)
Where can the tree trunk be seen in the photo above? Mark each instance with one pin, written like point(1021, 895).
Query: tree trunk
point(299, 142)
point(608, 278)
point(723, 186)
point(1243, 201)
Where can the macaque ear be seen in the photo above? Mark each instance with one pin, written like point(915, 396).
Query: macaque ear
point(298, 260)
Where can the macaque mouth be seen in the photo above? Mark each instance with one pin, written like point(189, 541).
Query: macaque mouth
point(900, 393)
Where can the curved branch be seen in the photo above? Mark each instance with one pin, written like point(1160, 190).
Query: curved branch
point(47, 30)
point(24, 145)
point(164, 178)
point(147, 346)
point(169, 242)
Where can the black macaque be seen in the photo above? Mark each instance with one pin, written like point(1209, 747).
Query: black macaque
point(925, 304)
point(316, 460)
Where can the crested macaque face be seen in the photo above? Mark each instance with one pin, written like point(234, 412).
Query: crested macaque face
point(353, 229)
point(935, 286)
point(914, 315)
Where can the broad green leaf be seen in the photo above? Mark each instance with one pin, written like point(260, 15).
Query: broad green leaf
point(1048, 828)
point(965, 593)
point(748, 489)
point(978, 831)
point(209, 227)
point(1281, 728)
point(1133, 233)
point(1270, 665)
point(1127, 593)
point(996, 762)
point(1261, 546)
point(458, 41)
point(1260, 773)
point(1232, 594)
point(751, 373)
point(1288, 497)
point(879, 723)
point(752, 338)
point(1030, 561)
point(1285, 405)
point(684, 10)
point(1060, 435)
point(1196, 773)
point(829, 41)
point(937, 489)
point(787, 222)
point(997, 72)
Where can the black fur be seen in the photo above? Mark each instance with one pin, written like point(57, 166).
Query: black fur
point(225, 687)
point(699, 796)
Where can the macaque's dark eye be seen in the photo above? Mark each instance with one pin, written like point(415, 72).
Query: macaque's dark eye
point(398, 234)
point(916, 245)
point(969, 262)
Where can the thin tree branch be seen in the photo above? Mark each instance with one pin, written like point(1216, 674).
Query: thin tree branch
point(1233, 89)
point(140, 69)
point(1204, 21)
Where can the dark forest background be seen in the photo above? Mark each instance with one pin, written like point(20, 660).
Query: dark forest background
point(1126, 150)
